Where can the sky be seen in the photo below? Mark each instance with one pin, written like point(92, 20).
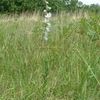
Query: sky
point(90, 1)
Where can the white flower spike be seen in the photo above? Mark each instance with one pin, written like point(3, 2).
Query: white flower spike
point(47, 20)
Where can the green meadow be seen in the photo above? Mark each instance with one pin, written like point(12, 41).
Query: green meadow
point(66, 67)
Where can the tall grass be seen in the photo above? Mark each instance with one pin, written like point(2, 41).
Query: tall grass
point(66, 67)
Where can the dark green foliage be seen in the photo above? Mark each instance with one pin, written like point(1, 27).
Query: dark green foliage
point(29, 5)
point(95, 8)
point(14, 6)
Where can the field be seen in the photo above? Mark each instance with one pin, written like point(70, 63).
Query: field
point(66, 67)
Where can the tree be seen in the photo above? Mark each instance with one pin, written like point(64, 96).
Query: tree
point(71, 5)
point(95, 8)
point(29, 5)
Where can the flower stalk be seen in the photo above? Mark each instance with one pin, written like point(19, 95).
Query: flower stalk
point(47, 20)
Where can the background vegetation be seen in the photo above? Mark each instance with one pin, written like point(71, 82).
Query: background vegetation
point(19, 6)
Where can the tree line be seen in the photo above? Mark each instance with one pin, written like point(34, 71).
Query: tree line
point(19, 6)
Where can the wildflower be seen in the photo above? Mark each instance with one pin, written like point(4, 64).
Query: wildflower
point(49, 24)
point(48, 15)
point(49, 8)
point(47, 29)
point(47, 20)
point(45, 11)
point(46, 2)
point(46, 36)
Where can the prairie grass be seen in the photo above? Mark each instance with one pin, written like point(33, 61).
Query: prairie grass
point(66, 67)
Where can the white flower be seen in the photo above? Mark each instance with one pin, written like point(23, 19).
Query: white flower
point(49, 25)
point(45, 10)
point(46, 20)
point(47, 29)
point(49, 8)
point(46, 36)
point(46, 2)
point(48, 15)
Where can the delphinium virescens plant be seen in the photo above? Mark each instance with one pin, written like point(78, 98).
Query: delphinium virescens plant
point(47, 20)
